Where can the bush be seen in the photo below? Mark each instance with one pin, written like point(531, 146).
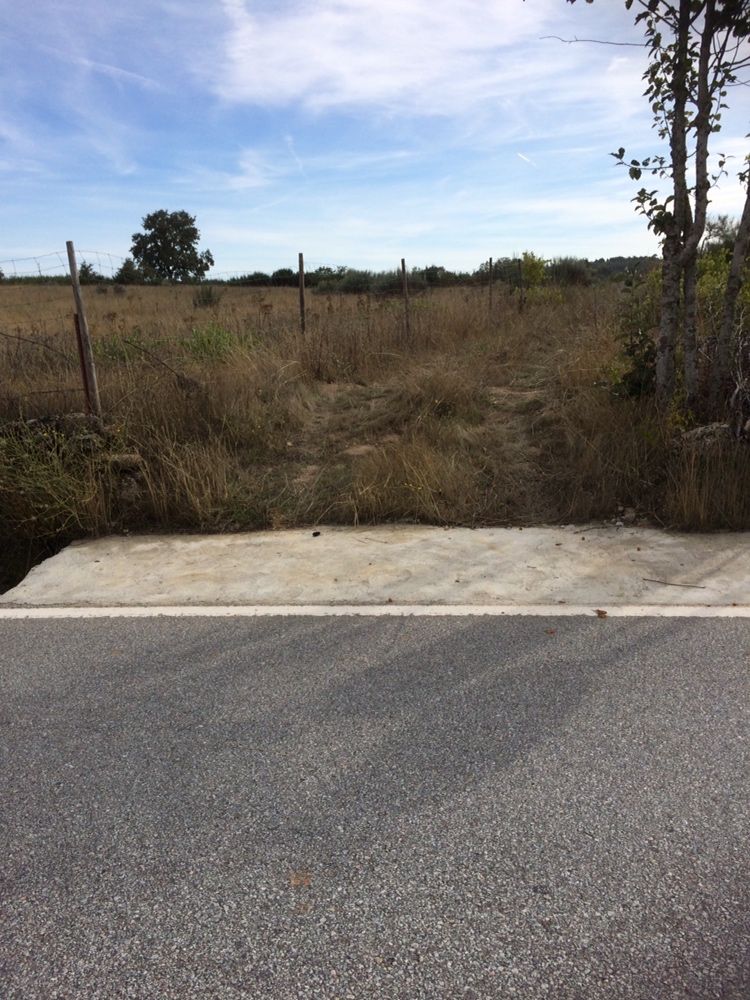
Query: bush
point(569, 271)
point(533, 269)
point(285, 277)
point(210, 343)
point(639, 321)
point(206, 297)
point(87, 275)
point(128, 273)
point(713, 273)
point(52, 484)
point(258, 279)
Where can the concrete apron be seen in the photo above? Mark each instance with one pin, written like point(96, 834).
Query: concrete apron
point(553, 570)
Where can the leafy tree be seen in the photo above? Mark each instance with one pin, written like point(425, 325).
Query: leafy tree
point(167, 249)
point(436, 275)
point(258, 279)
point(721, 233)
point(695, 52)
point(128, 273)
point(87, 275)
point(569, 271)
point(285, 276)
point(533, 269)
point(320, 274)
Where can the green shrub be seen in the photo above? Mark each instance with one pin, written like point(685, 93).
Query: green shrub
point(52, 483)
point(206, 297)
point(210, 343)
point(118, 347)
point(639, 320)
point(533, 269)
point(569, 271)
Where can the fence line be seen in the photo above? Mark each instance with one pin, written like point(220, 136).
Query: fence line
point(105, 262)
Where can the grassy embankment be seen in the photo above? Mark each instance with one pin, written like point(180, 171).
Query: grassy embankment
point(224, 418)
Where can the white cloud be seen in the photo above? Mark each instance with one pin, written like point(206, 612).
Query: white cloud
point(429, 56)
point(255, 169)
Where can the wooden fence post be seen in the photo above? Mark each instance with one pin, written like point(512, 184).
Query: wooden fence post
point(86, 354)
point(302, 294)
point(489, 296)
point(405, 288)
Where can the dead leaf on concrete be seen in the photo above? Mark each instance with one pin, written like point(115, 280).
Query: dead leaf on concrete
point(599, 613)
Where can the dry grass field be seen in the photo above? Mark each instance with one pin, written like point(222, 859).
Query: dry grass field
point(223, 417)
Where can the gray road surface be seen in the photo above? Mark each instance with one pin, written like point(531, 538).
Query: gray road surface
point(375, 808)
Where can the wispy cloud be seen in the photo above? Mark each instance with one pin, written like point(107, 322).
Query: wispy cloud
point(289, 142)
point(429, 56)
point(254, 170)
point(105, 69)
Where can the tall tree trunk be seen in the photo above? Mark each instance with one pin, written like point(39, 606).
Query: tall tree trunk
point(695, 223)
point(669, 321)
point(690, 336)
point(725, 341)
point(675, 230)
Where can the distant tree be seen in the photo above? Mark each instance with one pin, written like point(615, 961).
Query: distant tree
point(355, 281)
point(721, 233)
point(437, 275)
point(87, 275)
point(258, 279)
point(128, 273)
point(319, 275)
point(167, 249)
point(533, 269)
point(285, 276)
point(2, 275)
point(569, 271)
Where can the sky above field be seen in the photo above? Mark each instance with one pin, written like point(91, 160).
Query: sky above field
point(357, 131)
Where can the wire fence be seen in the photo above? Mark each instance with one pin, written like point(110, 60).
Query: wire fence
point(54, 264)
point(37, 315)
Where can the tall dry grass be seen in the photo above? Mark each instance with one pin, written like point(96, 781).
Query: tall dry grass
point(233, 420)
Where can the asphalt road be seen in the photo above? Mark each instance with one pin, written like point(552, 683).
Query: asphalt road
point(375, 808)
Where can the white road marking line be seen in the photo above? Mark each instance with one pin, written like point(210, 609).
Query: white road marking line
point(378, 610)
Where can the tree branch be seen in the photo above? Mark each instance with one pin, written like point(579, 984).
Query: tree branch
point(593, 41)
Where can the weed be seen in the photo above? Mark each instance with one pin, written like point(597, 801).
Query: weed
point(210, 343)
point(206, 297)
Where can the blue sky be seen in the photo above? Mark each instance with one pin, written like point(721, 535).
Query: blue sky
point(357, 131)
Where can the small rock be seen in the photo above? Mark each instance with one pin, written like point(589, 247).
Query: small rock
point(706, 438)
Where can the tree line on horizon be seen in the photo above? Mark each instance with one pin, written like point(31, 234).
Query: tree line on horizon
point(526, 271)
